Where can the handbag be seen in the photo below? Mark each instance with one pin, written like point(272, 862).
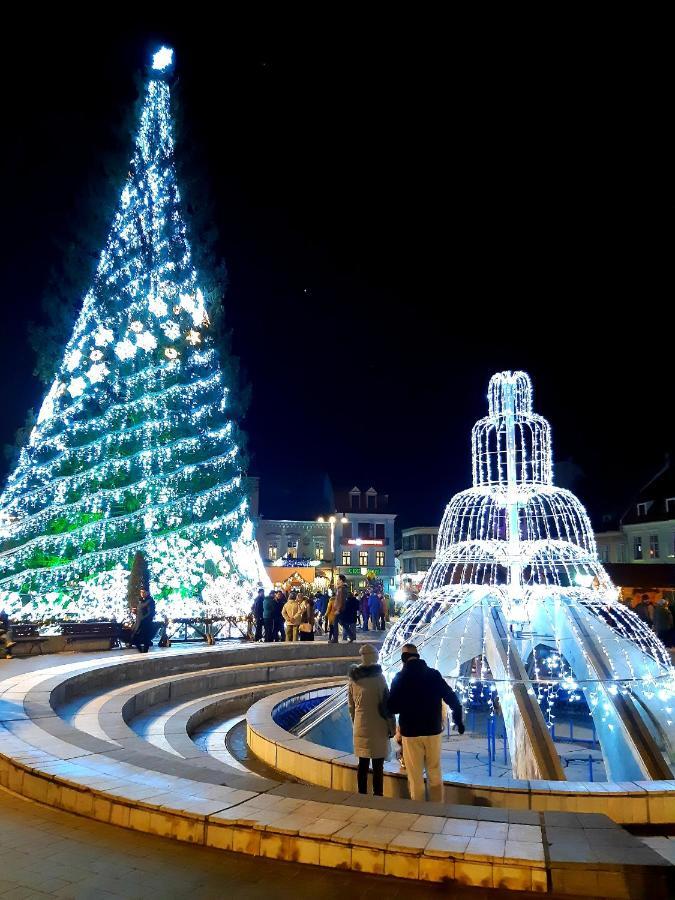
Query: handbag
point(306, 627)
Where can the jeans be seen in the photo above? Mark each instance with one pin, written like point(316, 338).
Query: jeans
point(349, 631)
point(258, 630)
point(378, 776)
point(268, 628)
point(422, 753)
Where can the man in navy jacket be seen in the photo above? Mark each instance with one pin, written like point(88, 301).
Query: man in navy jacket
point(416, 696)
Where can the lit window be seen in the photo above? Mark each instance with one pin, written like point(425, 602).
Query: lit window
point(379, 558)
point(363, 558)
point(653, 546)
point(272, 552)
point(292, 549)
point(637, 547)
point(346, 557)
point(318, 551)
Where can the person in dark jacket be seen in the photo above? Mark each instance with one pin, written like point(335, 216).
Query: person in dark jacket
point(374, 609)
point(417, 694)
point(363, 605)
point(269, 608)
point(257, 611)
point(279, 624)
point(144, 628)
point(349, 618)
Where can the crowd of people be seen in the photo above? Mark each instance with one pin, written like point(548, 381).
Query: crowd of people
point(293, 616)
point(660, 617)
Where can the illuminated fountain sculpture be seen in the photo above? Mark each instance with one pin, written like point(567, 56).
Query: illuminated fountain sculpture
point(517, 600)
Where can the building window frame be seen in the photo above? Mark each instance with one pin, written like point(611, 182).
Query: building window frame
point(346, 557)
point(379, 559)
point(654, 546)
point(637, 546)
point(363, 559)
point(272, 552)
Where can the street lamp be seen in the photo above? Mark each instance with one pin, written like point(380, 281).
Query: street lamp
point(332, 521)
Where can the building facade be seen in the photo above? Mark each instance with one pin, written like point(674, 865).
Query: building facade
point(418, 549)
point(647, 530)
point(364, 538)
point(296, 551)
point(298, 542)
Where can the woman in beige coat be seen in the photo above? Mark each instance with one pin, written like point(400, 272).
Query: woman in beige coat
point(368, 694)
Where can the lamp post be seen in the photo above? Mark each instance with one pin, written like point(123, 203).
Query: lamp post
point(332, 520)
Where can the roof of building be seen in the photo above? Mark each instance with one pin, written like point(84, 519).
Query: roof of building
point(654, 494)
point(641, 575)
point(343, 501)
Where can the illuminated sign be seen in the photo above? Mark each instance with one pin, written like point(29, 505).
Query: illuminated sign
point(363, 542)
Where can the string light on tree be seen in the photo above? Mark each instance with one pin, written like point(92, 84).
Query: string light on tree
point(134, 448)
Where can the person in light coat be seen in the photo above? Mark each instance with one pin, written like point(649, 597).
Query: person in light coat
point(292, 613)
point(372, 727)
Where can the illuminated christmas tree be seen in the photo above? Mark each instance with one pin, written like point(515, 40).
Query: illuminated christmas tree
point(135, 446)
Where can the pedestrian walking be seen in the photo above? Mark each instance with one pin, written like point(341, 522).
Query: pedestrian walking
point(417, 694)
point(372, 726)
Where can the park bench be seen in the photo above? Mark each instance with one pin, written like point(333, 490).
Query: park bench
point(26, 634)
point(99, 635)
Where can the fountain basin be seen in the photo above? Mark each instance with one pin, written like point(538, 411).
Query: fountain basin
point(627, 803)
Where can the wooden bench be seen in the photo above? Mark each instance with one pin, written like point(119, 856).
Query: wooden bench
point(107, 634)
point(26, 634)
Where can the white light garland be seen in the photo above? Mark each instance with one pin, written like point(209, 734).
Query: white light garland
point(134, 450)
point(516, 543)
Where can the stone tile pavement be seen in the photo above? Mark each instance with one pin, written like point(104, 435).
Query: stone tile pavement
point(46, 853)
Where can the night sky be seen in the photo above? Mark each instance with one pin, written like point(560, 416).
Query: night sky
point(402, 213)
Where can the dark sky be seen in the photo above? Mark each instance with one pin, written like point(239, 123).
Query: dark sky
point(403, 212)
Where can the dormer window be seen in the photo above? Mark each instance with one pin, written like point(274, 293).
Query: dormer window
point(643, 508)
point(355, 499)
point(371, 498)
point(670, 505)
